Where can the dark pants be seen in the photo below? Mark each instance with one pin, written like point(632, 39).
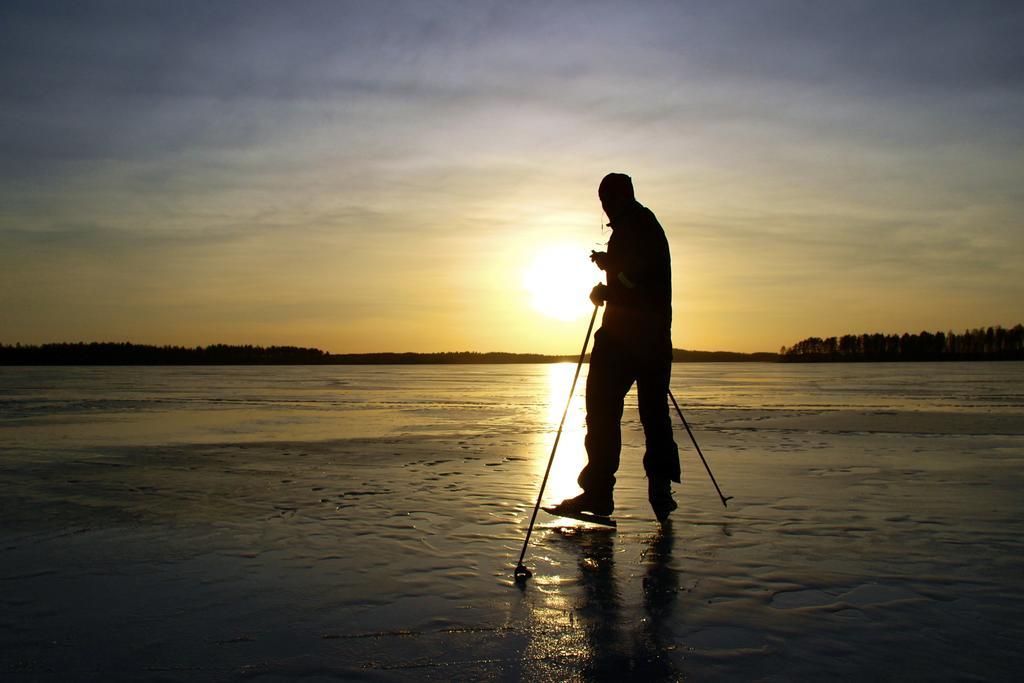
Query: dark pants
point(613, 370)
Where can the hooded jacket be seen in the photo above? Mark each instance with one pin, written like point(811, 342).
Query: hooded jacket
point(638, 310)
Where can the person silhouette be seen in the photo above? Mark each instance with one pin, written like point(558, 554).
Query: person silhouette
point(633, 345)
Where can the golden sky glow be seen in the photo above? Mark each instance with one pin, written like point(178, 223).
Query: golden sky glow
point(393, 177)
point(559, 281)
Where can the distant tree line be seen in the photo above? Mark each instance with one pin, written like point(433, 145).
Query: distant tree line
point(991, 343)
point(685, 356)
point(113, 353)
point(443, 358)
point(124, 353)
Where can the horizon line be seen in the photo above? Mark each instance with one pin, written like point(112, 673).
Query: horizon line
point(215, 345)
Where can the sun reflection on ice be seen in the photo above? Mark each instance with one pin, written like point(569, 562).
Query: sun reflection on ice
point(571, 456)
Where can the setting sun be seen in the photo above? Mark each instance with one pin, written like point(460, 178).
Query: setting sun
point(559, 281)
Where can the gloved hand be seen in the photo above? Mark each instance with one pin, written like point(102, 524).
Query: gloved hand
point(600, 258)
point(599, 294)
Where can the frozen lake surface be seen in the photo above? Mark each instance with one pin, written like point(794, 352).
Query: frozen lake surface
point(362, 523)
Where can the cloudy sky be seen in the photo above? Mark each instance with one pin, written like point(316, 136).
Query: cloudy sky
point(384, 176)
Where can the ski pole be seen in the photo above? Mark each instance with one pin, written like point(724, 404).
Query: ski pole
point(522, 573)
point(697, 446)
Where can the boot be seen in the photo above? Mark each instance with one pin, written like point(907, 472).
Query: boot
point(601, 505)
point(659, 493)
